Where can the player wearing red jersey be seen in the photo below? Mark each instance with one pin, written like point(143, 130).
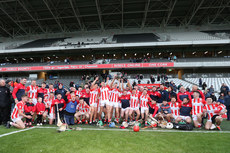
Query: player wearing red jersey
point(51, 108)
point(51, 89)
point(42, 91)
point(197, 109)
point(18, 114)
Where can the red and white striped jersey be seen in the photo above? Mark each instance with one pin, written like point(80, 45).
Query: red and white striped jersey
point(175, 108)
point(15, 113)
point(144, 99)
point(134, 100)
point(49, 91)
point(48, 102)
point(93, 96)
point(32, 91)
point(104, 93)
point(78, 93)
point(83, 108)
point(197, 106)
point(52, 108)
point(114, 95)
point(210, 110)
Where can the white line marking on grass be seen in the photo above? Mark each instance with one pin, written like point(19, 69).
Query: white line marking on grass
point(2, 135)
point(126, 130)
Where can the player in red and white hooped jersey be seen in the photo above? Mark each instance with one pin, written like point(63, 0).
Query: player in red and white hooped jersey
point(51, 89)
point(32, 91)
point(78, 92)
point(144, 99)
point(83, 110)
point(93, 100)
point(50, 110)
point(104, 95)
point(114, 100)
point(197, 109)
point(214, 114)
point(18, 114)
point(134, 104)
point(175, 108)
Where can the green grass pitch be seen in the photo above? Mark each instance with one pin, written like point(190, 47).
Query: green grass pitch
point(39, 140)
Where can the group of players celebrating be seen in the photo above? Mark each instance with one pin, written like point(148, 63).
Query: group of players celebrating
point(106, 101)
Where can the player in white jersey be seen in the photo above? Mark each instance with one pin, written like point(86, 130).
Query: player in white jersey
point(18, 114)
point(32, 91)
point(93, 101)
point(197, 109)
point(104, 95)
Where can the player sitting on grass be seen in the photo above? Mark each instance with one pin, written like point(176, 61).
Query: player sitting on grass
point(70, 110)
point(175, 108)
point(83, 111)
point(214, 113)
point(18, 114)
point(164, 111)
point(197, 109)
point(185, 111)
point(29, 110)
point(40, 109)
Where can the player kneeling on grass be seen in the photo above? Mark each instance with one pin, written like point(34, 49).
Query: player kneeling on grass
point(164, 111)
point(18, 114)
point(185, 111)
point(214, 115)
point(29, 110)
point(83, 111)
point(70, 110)
point(40, 109)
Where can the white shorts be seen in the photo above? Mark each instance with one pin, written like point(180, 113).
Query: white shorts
point(104, 102)
point(174, 116)
point(34, 101)
point(135, 108)
point(184, 117)
point(51, 116)
point(16, 119)
point(124, 109)
point(143, 109)
point(116, 104)
point(93, 105)
point(194, 117)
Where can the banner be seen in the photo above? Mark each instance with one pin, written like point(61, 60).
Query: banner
point(87, 66)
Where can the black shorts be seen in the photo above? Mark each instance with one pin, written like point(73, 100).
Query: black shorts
point(214, 119)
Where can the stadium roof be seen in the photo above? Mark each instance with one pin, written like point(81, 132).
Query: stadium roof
point(25, 17)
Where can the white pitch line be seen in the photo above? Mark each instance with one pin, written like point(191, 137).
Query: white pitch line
point(2, 135)
point(126, 130)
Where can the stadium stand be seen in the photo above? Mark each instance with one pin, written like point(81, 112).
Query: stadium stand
point(131, 38)
point(41, 43)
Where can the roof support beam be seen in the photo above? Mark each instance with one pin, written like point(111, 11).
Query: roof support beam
point(36, 21)
point(122, 14)
point(99, 14)
point(170, 12)
point(76, 14)
point(194, 12)
point(145, 13)
point(58, 22)
point(3, 10)
point(219, 12)
point(4, 29)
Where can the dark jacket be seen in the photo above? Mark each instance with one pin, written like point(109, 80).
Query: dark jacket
point(62, 92)
point(227, 100)
point(5, 97)
point(164, 96)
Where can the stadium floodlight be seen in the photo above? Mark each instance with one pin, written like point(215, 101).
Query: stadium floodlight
point(147, 54)
point(160, 53)
point(206, 52)
point(15, 59)
point(31, 58)
point(135, 54)
point(83, 56)
point(125, 54)
point(23, 59)
point(48, 57)
point(194, 53)
point(220, 52)
point(114, 54)
point(103, 55)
